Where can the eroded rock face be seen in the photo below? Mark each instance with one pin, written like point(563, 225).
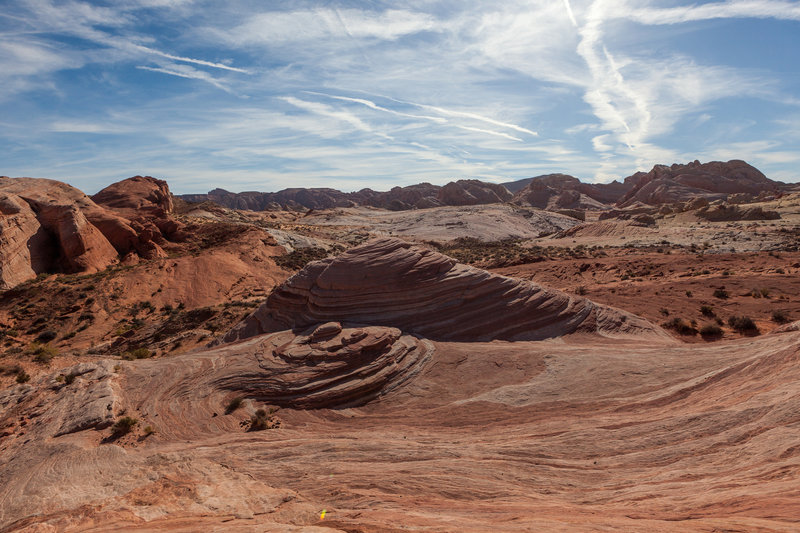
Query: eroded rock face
point(23, 241)
point(331, 366)
point(681, 183)
point(560, 191)
point(137, 196)
point(49, 226)
point(388, 282)
point(418, 196)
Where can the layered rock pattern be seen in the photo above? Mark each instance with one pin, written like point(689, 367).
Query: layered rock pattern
point(388, 282)
point(680, 183)
point(330, 366)
point(49, 226)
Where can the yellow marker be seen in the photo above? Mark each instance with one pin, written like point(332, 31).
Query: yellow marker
point(322, 514)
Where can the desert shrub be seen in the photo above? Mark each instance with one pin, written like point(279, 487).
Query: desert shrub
point(138, 353)
point(688, 294)
point(711, 330)
point(47, 335)
point(720, 293)
point(148, 430)
point(70, 378)
point(680, 326)
point(706, 310)
point(262, 420)
point(743, 324)
point(664, 311)
point(780, 317)
point(233, 405)
point(764, 293)
point(23, 377)
point(301, 257)
point(123, 426)
point(42, 353)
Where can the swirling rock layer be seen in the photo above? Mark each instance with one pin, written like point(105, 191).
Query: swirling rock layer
point(389, 282)
point(330, 366)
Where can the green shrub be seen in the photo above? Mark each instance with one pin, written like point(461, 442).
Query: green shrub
point(743, 324)
point(42, 353)
point(47, 335)
point(711, 330)
point(680, 326)
point(780, 317)
point(720, 293)
point(23, 377)
point(706, 310)
point(138, 353)
point(233, 405)
point(123, 426)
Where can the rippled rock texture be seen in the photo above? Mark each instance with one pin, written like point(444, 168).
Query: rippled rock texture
point(331, 366)
point(389, 282)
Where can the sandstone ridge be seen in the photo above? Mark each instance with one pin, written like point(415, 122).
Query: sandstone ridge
point(48, 226)
point(389, 282)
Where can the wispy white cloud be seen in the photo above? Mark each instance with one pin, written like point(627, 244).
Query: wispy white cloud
point(373, 105)
point(185, 71)
point(280, 27)
point(328, 111)
point(716, 10)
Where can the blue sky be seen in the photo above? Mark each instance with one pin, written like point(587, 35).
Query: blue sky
point(260, 95)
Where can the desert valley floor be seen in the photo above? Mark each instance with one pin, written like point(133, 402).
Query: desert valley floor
point(184, 366)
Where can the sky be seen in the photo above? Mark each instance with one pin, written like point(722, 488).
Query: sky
point(265, 95)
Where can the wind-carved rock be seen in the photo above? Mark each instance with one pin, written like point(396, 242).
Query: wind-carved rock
point(330, 366)
point(388, 282)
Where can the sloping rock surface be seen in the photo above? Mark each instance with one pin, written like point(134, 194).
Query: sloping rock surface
point(388, 282)
point(49, 226)
point(680, 183)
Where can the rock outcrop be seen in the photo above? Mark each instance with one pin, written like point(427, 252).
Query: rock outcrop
point(419, 196)
point(388, 282)
point(681, 183)
point(330, 366)
point(49, 226)
point(136, 197)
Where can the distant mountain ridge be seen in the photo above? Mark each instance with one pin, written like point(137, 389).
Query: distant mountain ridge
point(663, 184)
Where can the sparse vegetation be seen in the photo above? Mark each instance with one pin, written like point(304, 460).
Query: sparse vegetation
point(42, 353)
point(743, 324)
point(148, 430)
point(711, 330)
point(123, 426)
point(233, 405)
point(262, 420)
point(706, 310)
point(301, 257)
point(23, 377)
point(720, 293)
point(138, 353)
point(47, 335)
point(680, 326)
point(780, 317)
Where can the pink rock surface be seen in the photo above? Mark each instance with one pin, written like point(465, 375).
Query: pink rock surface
point(388, 282)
